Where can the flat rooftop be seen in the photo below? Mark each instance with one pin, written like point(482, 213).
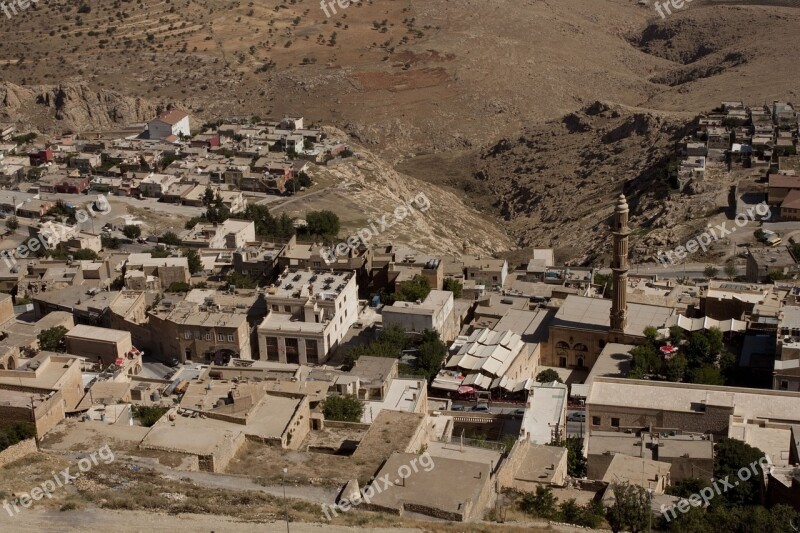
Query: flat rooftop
point(581, 312)
point(402, 395)
point(545, 409)
point(95, 333)
point(199, 436)
point(779, 406)
point(448, 486)
point(300, 283)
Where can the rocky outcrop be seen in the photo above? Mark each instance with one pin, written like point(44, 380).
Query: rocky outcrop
point(71, 106)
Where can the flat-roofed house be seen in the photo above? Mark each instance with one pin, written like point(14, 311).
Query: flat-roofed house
point(309, 313)
point(435, 313)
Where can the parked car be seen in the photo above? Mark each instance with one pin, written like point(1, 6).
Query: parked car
point(519, 412)
point(580, 416)
point(457, 408)
point(481, 408)
point(174, 362)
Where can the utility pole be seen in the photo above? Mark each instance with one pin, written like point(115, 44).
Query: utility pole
point(285, 505)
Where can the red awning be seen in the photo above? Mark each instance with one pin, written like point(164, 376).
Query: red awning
point(465, 389)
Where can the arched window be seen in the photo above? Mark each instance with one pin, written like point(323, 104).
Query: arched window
point(562, 347)
point(580, 347)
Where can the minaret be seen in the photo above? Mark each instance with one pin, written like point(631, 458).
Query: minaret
point(619, 267)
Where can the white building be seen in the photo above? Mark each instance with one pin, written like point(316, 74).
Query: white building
point(230, 234)
point(173, 123)
point(435, 313)
point(309, 313)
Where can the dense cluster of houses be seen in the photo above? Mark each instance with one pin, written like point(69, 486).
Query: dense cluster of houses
point(165, 159)
point(255, 334)
point(740, 136)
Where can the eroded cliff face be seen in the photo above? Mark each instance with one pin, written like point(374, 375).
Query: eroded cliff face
point(71, 106)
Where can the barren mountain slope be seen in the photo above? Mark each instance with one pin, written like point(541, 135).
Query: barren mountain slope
point(555, 184)
point(370, 192)
point(70, 104)
point(403, 76)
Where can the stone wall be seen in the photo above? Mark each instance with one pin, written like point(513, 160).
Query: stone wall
point(512, 464)
point(17, 451)
point(714, 419)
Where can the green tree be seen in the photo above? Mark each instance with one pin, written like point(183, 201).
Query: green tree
point(193, 258)
point(323, 223)
point(645, 360)
point(631, 508)
point(651, 334)
point(548, 376)
point(343, 408)
point(417, 288)
point(12, 223)
point(454, 286)
point(706, 375)
point(675, 368)
point(170, 238)
point(541, 503)
point(715, 343)
point(569, 511)
point(15, 432)
point(676, 334)
point(431, 354)
point(576, 462)
point(110, 243)
point(52, 340)
point(240, 281)
point(730, 270)
point(179, 286)
point(605, 281)
point(698, 351)
point(132, 231)
point(711, 272)
point(159, 252)
point(731, 455)
point(148, 415)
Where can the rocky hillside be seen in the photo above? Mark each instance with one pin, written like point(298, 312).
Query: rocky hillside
point(70, 106)
point(555, 184)
point(366, 187)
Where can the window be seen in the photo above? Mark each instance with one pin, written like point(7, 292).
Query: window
point(272, 349)
point(595, 420)
point(208, 336)
point(276, 307)
point(230, 337)
point(312, 353)
point(784, 385)
point(198, 335)
point(287, 308)
point(187, 335)
point(220, 337)
point(615, 422)
point(292, 351)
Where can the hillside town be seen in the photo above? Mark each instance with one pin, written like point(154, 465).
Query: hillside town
point(151, 301)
